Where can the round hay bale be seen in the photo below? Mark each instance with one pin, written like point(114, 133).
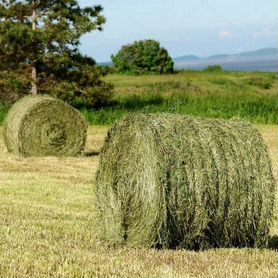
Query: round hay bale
point(44, 126)
point(172, 181)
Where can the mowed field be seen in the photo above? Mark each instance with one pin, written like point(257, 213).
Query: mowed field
point(48, 226)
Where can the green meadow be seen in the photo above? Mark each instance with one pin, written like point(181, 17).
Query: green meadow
point(250, 96)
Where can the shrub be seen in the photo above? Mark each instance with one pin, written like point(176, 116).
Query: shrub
point(143, 57)
point(171, 181)
point(214, 68)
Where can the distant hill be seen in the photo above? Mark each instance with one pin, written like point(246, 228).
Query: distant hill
point(188, 58)
point(261, 52)
point(265, 59)
point(219, 56)
point(103, 64)
point(256, 53)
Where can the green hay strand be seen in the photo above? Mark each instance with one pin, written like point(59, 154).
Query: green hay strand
point(44, 126)
point(172, 181)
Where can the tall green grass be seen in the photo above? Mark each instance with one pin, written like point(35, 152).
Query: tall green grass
point(250, 96)
point(4, 108)
point(259, 109)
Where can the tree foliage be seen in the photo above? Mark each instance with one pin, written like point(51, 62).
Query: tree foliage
point(45, 36)
point(143, 57)
point(214, 68)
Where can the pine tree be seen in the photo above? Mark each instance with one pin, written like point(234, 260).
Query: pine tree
point(39, 40)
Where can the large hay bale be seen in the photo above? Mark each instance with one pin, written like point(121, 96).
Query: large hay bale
point(44, 126)
point(173, 181)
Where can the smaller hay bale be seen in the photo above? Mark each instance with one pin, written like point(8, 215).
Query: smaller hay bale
point(44, 126)
point(173, 181)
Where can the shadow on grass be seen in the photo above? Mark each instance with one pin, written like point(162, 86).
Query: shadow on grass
point(91, 153)
point(273, 243)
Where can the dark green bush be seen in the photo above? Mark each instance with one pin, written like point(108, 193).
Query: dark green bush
point(214, 68)
point(104, 70)
point(143, 57)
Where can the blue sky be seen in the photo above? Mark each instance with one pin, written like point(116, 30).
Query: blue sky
point(200, 27)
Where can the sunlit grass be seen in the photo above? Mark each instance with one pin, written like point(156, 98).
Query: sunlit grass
point(48, 229)
point(251, 96)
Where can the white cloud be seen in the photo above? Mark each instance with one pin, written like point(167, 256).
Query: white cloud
point(224, 34)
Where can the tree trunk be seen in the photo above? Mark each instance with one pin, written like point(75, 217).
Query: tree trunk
point(34, 89)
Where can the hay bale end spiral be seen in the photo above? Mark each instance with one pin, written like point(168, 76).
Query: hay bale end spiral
point(44, 126)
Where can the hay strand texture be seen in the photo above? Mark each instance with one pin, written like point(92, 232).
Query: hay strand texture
point(172, 181)
point(44, 126)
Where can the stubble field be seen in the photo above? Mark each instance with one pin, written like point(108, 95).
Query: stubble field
point(48, 228)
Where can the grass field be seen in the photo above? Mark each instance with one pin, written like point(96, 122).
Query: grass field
point(47, 226)
point(252, 96)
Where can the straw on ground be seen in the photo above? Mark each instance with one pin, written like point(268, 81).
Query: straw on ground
point(48, 228)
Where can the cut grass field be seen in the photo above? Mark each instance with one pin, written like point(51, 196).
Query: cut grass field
point(48, 227)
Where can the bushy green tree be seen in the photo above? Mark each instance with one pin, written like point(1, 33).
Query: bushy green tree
point(39, 47)
point(214, 68)
point(143, 57)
